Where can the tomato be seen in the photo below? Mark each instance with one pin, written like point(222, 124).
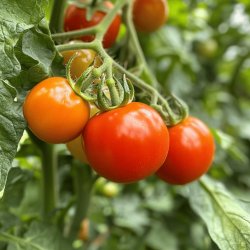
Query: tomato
point(126, 144)
point(76, 147)
point(83, 233)
point(77, 150)
point(75, 19)
point(84, 58)
point(191, 152)
point(106, 188)
point(149, 15)
point(54, 113)
point(110, 189)
point(207, 49)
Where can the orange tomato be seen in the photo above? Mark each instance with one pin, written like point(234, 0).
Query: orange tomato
point(54, 113)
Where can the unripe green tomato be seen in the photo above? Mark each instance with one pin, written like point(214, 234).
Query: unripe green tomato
point(207, 49)
point(111, 189)
point(107, 188)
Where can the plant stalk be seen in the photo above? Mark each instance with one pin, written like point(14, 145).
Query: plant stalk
point(50, 183)
point(83, 180)
point(57, 15)
point(137, 47)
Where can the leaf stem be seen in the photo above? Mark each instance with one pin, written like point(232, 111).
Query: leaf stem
point(136, 46)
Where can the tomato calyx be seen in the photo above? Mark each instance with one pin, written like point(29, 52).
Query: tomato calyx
point(101, 86)
point(121, 93)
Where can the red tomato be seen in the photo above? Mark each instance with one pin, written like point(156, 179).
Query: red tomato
point(75, 19)
point(149, 15)
point(126, 144)
point(54, 113)
point(191, 152)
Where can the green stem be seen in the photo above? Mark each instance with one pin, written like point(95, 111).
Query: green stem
point(236, 73)
point(94, 2)
point(83, 180)
point(136, 46)
point(103, 26)
point(56, 21)
point(75, 33)
point(99, 30)
point(76, 46)
point(5, 237)
point(50, 187)
point(154, 94)
point(169, 116)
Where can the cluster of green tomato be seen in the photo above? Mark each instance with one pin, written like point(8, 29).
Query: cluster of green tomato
point(126, 144)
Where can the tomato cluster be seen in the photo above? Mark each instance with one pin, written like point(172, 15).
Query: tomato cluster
point(125, 144)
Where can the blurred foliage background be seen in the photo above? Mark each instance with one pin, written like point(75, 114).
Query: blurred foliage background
point(202, 54)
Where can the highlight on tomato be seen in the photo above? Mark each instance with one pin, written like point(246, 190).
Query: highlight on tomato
point(191, 152)
point(54, 113)
point(149, 15)
point(76, 18)
point(126, 144)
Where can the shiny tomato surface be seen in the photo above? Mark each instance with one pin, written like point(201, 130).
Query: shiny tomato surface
point(54, 113)
point(126, 144)
point(149, 15)
point(75, 19)
point(191, 152)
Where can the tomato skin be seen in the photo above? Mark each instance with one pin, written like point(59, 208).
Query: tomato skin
point(127, 144)
point(76, 147)
point(54, 113)
point(75, 18)
point(191, 152)
point(84, 58)
point(149, 15)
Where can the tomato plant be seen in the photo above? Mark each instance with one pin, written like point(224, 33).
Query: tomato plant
point(126, 144)
point(51, 201)
point(191, 152)
point(54, 113)
point(76, 18)
point(149, 15)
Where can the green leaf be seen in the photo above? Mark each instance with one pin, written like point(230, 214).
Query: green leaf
point(15, 17)
point(38, 237)
point(11, 126)
point(15, 187)
point(27, 56)
point(159, 237)
point(37, 56)
point(227, 222)
point(129, 213)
